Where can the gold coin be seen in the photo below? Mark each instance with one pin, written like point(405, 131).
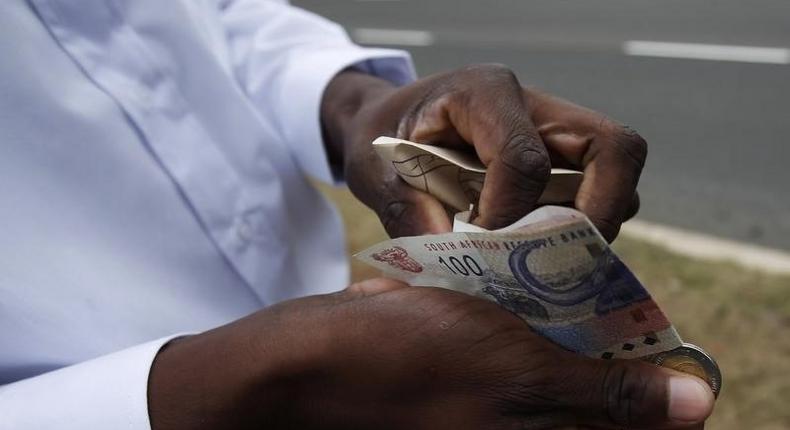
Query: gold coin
point(691, 359)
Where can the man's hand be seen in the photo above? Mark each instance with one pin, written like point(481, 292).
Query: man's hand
point(381, 355)
point(518, 133)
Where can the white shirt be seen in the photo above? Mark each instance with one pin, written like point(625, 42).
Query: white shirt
point(153, 163)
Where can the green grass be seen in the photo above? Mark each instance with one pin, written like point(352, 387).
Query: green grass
point(740, 316)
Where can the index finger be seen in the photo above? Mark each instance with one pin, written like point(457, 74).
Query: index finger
point(495, 120)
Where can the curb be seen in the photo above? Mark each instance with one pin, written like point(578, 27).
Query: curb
point(698, 245)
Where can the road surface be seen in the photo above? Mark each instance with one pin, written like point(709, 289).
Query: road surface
point(716, 117)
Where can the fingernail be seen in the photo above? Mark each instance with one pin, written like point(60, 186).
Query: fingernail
point(690, 400)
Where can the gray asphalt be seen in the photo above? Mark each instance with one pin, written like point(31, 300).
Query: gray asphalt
point(719, 132)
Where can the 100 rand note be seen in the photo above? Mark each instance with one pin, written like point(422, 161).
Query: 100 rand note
point(553, 269)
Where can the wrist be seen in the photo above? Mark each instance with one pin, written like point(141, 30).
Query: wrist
point(236, 376)
point(349, 93)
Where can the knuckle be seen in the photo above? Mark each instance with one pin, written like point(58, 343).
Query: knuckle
point(625, 392)
point(522, 155)
point(492, 70)
point(631, 144)
point(499, 69)
point(412, 116)
point(433, 106)
point(451, 98)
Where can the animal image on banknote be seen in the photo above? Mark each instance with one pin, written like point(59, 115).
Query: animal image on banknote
point(558, 274)
point(398, 258)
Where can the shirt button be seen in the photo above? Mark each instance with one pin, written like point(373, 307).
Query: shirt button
point(250, 228)
point(245, 231)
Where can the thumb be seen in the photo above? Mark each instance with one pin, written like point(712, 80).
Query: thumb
point(634, 394)
point(406, 211)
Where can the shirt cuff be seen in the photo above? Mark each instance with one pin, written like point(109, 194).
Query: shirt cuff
point(108, 392)
point(305, 84)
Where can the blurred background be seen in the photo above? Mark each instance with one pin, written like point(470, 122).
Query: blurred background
point(707, 84)
point(719, 131)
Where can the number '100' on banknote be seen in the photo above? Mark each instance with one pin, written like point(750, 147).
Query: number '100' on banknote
point(554, 270)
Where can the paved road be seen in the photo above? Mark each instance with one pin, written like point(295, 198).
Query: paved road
point(719, 131)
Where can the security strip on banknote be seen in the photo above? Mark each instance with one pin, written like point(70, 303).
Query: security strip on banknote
point(552, 268)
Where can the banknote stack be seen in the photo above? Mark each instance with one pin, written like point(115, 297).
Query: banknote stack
point(552, 268)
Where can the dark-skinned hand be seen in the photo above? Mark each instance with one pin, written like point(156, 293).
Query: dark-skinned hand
point(382, 355)
point(518, 133)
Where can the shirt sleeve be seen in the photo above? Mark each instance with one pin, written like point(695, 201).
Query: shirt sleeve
point(108, 392)
point(284, 57)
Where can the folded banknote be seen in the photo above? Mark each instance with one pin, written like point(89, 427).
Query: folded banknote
point(455, 177)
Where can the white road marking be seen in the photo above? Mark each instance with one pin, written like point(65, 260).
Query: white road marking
point(382, 36)
point(707, 247)
point(699, 51)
